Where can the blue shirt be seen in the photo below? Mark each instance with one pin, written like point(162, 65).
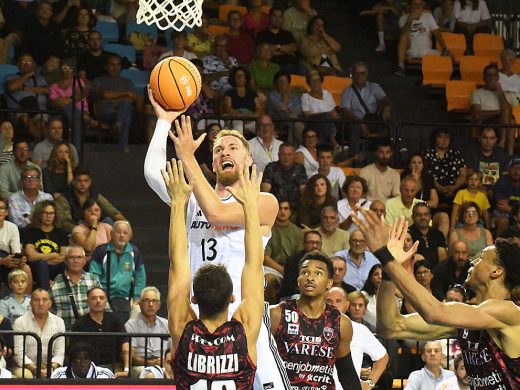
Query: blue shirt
point(357, 276)
point(424, 379)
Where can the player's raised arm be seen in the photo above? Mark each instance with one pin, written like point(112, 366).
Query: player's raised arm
point(250, 310)
point(179, 280)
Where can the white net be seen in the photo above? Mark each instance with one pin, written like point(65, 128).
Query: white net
point(177, 14)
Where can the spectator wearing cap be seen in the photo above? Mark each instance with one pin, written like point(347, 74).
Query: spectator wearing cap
point(507, 195)
point(452, 271)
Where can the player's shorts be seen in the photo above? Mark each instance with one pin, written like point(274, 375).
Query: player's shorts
point(270, 371)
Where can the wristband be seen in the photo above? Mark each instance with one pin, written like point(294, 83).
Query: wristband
point(384, 255)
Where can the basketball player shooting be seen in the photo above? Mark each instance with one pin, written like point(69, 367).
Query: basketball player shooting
point(212, 352)
point(487, 333)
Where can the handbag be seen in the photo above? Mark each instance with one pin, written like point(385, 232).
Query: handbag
point(373, 128)
point(120, 306)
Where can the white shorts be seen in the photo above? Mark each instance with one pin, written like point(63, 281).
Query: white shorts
point(270, 371)
point(421, 51)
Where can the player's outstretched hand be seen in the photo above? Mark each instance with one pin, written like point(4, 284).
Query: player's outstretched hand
point(167, 115)
point(185, 145)
point(395, 244)
point(178, 189)
point(373, 228)
point(249, 186)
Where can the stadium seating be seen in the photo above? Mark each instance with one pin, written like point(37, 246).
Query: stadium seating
point(140, 79)
point(516, 66)
point(350, 171)
point(6, 69)
point(224, 9)
point(141, 28)
point(335, 85)
point(456, 44)
point(299, 83)
point(108, 30)
point(458, 95)
point(436, 70)
point(488, 45)
point(217, 30)
point(516, 114)
point(472, 68)
point(127, 51)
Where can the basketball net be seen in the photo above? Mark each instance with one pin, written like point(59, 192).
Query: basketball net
point(176, 14)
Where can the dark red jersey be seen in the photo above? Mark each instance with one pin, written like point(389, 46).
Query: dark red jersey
point(205, 360)
point(488, 367)
point(307, 346)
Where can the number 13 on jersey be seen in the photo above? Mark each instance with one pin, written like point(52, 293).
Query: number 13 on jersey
point(209, 250)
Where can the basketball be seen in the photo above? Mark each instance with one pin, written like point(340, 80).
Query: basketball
point(176, 83)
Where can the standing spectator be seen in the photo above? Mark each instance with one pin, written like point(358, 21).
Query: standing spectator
point(509, 81)
point(147, 352)
point(57, 175)
point(22, 203)
point(264, 147)
point(282, 42)
point(200, 40)
point(472, 193)
point(452, 271)
point(307, 152)
point(296, 18)
point(17, 303)
point(432, 373)
point(81, 364)
point(363, 100)
point(444, 16)
point(217, 65)
point(69, 290)
point(383, 181)
point(316, 195)
point(75, 39)
point(402, 204)
point(120, 268)
point(472, 16)
point(255, 20)
point(7, 136)
point(355, 189)
point(115, 99)
point(333, 239)
point(91, 64)
point(53, 136)
point(507, 195)
point(387, 13)
point(241, 99)
point(334, 174)
point(318, 49)
point(240, 44)
point(282, 103)
point(45, 324)
point(45, 244)
point(262, 69)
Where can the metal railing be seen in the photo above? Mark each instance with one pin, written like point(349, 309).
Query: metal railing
point(505, 15)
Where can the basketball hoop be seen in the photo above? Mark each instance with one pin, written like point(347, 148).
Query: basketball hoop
point(176, 14)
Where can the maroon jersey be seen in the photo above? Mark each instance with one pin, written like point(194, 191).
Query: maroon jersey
point(217, 360)
point(307, 346)
point(488, 367)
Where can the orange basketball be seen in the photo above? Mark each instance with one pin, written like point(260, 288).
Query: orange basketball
point(176, 83)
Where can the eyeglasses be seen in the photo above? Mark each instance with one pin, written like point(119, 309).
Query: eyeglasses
point(27, 62)
point(422, 273)
point(147, 301)
point(48, 213)
point(357, 242)
point(31, 178)
point(470, 213)
point(313, 242)
point(25, 149)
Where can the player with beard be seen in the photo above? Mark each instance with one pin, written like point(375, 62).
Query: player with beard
point(214, 220)
point(312, 336)
point(487, 333)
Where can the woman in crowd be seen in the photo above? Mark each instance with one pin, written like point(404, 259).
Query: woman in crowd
point(370, 288)
point(471, 17)
point(204, 153)
point(318, 49)
point(91, 232)
point(242, 100)
point(200, 40)
point(76, 38)
point(45, 244)
point(255, 20)
point(307, 153)
point(6, 136)
point(57, 175)
point(424, 275)
point(316, 195)
point(354, 188)
point(262, 69)
point(473, 234)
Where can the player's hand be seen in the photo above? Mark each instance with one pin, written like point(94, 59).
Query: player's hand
point(167, 115)
point(176, 185)
point(249, 186)
point(396, 243)
point(373, 228)
point(185, 145)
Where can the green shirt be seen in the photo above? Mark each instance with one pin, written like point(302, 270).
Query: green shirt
point(285, 241)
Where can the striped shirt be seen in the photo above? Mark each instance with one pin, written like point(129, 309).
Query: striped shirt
point(94, 372)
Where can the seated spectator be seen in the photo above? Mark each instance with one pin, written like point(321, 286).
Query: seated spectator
point(415, 35)
point(70, 98)
point(119, 267)
point(444, 16)
point(285, 178)
point(387, 13)
point(472, 193)
point(53, 136)
point(115, 99)
point(339, 264)
point(23, 202)
point(241, 45)
point(255, 20)
point(416, 170)
point(432, 373)
point(452, 271)
point(17, 303)
point(472, 16)
point(282, 42)
point(65, 12)
point(218, 64)
point(281, 102)
point(75, 39)
point(382, 180)
point(11, 171)
point(81, 364)
point(204, 105)
point(123, 12)
point(476, 236)
point(70, 205)
point(262, 69)
point(402, 204)
point(408, 244)
point(264, 147)
point(241, 99)
point(4, 374)
point(200, 39)
point(69, 290)
point(509, 81)
point(333, 238)
point(378, 207)
point(460, 373)
point(492, 104)
point(11, 36)
point(108, 350)
point(296, 18)
point(91, 232)
point(354, 189)
point(57, 175)
point(7, 136)
point(147, 352)
point(41, 321)
point(91, 64)
point(423, 273)
point(316, 195)
point(45, 244)
point(371, 287)
point(180, 42)
point(307, 152)
point(334, 174)
point(359, 260)
point(513, 230)
point(363, 100)
point(286, 239)
point(357, 308)
point(506, 196)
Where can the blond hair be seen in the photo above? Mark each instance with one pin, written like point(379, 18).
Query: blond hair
point(14, 273)
point(232, 133)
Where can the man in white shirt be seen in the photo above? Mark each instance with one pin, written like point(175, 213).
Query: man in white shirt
point(509, 80)
point(326, 168)
point(264, 147)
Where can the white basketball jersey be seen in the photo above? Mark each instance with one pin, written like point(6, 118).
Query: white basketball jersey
point(210, 244)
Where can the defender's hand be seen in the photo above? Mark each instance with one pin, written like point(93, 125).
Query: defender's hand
point(176, 185)
point(249, 186)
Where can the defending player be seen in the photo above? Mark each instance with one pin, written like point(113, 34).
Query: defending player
point(487, 333)
point(212, 352)
point(313, 336)
point(214, 220)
